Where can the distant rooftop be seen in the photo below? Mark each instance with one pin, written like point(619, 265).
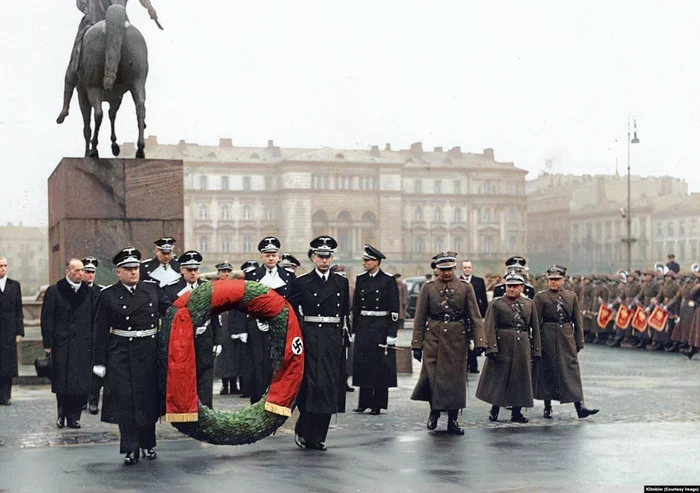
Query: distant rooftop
point(226, 152)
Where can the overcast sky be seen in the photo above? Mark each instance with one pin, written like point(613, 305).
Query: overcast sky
point(536, 80)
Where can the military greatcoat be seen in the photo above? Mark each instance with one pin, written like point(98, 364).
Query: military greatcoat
point(131, 395)
point(513, 337)
point(444, 310)
point(556, 375)
point(323, 387)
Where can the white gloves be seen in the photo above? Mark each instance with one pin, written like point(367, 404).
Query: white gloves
point(200, 330)
point(471, 345)
point(263, 326)
point(241, 337)
point(216, 350)
point(99, 370)
point(391, 341)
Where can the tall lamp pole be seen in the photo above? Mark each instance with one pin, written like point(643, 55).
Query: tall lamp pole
point(629, 240)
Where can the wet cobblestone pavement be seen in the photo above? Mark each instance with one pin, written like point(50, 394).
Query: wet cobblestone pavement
point(629, 386)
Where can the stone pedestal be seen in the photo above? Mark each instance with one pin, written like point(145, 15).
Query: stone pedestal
point(99, 206)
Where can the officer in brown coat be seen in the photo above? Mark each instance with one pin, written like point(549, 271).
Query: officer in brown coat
point(513, 337)
point(445, 311)
point(556, 375)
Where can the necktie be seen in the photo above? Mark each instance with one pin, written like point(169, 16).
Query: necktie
point(324, 279)
point(269, 271)
point(132, 289)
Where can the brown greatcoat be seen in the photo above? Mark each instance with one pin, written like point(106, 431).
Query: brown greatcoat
point(443, 375)
point(506, 379)
point(556, 375)
point(688, 303)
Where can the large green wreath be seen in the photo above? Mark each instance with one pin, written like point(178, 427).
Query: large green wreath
point(254, 422)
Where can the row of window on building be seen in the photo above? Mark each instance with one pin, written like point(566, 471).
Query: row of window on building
point(244, 183)
point(268, 213)
point(485, 214)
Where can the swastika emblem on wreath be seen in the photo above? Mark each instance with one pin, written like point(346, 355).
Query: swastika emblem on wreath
point(297, 346)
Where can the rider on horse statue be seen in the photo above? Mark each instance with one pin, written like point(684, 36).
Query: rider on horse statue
point(94, 11)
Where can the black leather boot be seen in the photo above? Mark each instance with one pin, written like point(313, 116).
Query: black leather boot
point(493, 415)
point(433, 420)
point(517, 416)
point(453, 427)
point(673, 348)
point(584, 412)
point(547, 414)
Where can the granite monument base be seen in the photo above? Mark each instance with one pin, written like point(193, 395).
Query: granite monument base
point(99, 206)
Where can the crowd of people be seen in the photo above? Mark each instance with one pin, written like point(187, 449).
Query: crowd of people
point(107, 337)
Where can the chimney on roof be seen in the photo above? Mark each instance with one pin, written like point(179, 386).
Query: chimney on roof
point(151, 140)
point(225, 142)
point(438, 149)
point(455, 152)
point(417, 149)
point(488, 154)
point(182, 144)
point(387, 147)
point(374, 151)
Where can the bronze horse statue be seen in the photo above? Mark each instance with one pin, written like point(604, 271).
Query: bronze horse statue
point(113, 60)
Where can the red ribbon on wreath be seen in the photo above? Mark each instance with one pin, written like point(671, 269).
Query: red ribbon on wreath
point(181, 386)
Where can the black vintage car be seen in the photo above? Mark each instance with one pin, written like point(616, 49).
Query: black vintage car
point(413, 284)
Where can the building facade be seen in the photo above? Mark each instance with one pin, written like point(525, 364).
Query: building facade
point(26, 250)
point(581, 221)
point(411, 204)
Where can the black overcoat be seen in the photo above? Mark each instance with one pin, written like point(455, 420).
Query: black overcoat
point(131, 393)
point(11, 326)
point(372, 365)
point(67, 328)
point(323, 386)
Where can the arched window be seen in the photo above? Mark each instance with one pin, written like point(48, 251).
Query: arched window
point(203, 182)
point(368, 228)
point(458, 244)
point(437, 215)
point(344, 225)
point(225, 244)
point(246, 213)
point(203, 213)
point(438, 244)
point(418, 244)
point(224, 212)
point(418, 214)
point(246, 244)
point(203, 244)
point(457, 217)
point(319, 224)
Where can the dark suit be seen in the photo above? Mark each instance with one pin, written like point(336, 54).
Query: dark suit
point(259, 341)
point(11, 326)
point(67, 329)
point(482, 301)
point(203, 345)
point(131, 395)
point(322, 390)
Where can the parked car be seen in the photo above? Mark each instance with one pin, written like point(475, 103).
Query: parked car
point(413, 284)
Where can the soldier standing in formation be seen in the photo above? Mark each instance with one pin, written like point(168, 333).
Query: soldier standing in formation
point(556, 375)
point(90, 265)
point(11, 331)
point(284, 284)
point(163, 267)
point(446, 311)
point(513, 337)
point(375, 315)
point(324, 305)
point(229, 365)
point(67, 333)
point(207, 340)
point(126, 355)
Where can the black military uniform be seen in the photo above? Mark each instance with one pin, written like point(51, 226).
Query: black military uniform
point(164, 274)
point(126, 347)
point(90, 264)
point(514, 265)
point(284, 284)
point(375, 315)
point(207, 337)
point(324, 304)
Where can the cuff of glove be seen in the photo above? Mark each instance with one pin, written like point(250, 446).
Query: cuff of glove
point(99, 370)
point(391, 341)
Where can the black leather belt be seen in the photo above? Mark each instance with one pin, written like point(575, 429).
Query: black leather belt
point(515, 329)
point(445, 318)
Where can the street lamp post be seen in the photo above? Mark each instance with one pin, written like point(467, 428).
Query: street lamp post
point(629, 240)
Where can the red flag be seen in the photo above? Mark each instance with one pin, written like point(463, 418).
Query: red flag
point(658, 318)
point(604, 316)
point(639, 321)
point(624, 317)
